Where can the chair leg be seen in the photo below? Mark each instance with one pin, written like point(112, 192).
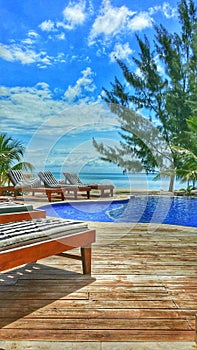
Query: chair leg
point(62, 195)
point(86, 253)
point(102, 192)
point(48, 195)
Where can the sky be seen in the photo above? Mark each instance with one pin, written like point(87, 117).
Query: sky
point(55, 59)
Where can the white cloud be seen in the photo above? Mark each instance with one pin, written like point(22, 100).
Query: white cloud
point(27, 41)
point(110, 21)
point(31, 38)
point(60, 36)
point(44, 122)
point(153, 10)
point(169, 11)
point(140, 21)
point(60, 135)
point(26, 55)
point(166, 9)
point(74, 14)
point(25, 108)
point(33, 34)
point(15, 52)
point(47, 26)
point(83, 84)
point(121, 52)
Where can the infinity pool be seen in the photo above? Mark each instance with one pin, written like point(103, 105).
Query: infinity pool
point(142, 209)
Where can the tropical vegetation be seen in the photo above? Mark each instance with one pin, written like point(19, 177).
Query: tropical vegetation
point(156, 102)
point(188, 157)
point(11, 157)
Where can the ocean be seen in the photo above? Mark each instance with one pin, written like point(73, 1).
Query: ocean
point(132, 181)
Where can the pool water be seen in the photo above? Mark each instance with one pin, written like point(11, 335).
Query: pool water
point(143, 209)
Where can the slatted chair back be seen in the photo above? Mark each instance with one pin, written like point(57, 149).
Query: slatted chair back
point(48, 179)
point(19, 180)
point(15, 176)
point(73, 179)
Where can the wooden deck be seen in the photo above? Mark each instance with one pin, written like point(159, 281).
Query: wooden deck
point(143, 288)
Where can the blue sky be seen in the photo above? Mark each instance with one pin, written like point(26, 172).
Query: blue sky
point(55, 58)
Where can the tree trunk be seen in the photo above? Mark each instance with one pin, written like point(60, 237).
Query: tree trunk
point(171, 185)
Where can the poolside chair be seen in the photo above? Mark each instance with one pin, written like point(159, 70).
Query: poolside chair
point(27, 241)
point(73, 179)
point(12, 212)
point(27, 236)
point(50, 181)
point(22, 183)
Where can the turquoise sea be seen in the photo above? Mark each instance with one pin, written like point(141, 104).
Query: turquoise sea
point(129, 181)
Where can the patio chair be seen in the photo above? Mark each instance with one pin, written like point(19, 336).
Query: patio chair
point(50, 181)
point(27, 241)
point(73, 179)
point(22, 183)
point(12, 212)
point(19, 180)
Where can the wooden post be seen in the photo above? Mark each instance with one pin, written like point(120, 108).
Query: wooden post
point(86, 253)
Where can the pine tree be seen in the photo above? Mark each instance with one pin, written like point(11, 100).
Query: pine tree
point(166, 100)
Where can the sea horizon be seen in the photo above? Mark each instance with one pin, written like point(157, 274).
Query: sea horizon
point(134, 181)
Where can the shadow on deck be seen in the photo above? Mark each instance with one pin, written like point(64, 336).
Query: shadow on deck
point(143, 289)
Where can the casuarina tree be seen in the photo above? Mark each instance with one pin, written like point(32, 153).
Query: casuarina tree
point(161, 85)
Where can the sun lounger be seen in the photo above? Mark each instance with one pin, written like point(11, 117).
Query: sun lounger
point(28, 241)
point(11, 211)
point(50, 181)
point(21, 183)
point(104, 189)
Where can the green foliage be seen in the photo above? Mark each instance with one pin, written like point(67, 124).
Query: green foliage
point(187, 170)
point(187, 191)
point(11, 153)
point(162, 85)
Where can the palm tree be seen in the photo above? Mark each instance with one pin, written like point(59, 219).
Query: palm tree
point(11, 154)
point(187, 169)
point(188, 172)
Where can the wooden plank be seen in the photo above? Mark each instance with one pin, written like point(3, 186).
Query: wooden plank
point(50, 312)
point(95, 304)
point(143, 288)
point(102, 324)
point(97, 335)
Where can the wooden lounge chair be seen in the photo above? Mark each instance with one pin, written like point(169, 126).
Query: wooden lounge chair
point(27, 241)
point(19, 180)
point(50, 181)
point(21, 183)
point(73, 179)
point(11, 211)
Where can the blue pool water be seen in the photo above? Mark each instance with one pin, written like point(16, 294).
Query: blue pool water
point(143, 209)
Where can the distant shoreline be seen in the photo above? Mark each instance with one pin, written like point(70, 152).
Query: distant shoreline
point(130, 181)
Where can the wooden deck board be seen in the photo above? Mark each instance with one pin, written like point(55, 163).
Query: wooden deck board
point(143, 288)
